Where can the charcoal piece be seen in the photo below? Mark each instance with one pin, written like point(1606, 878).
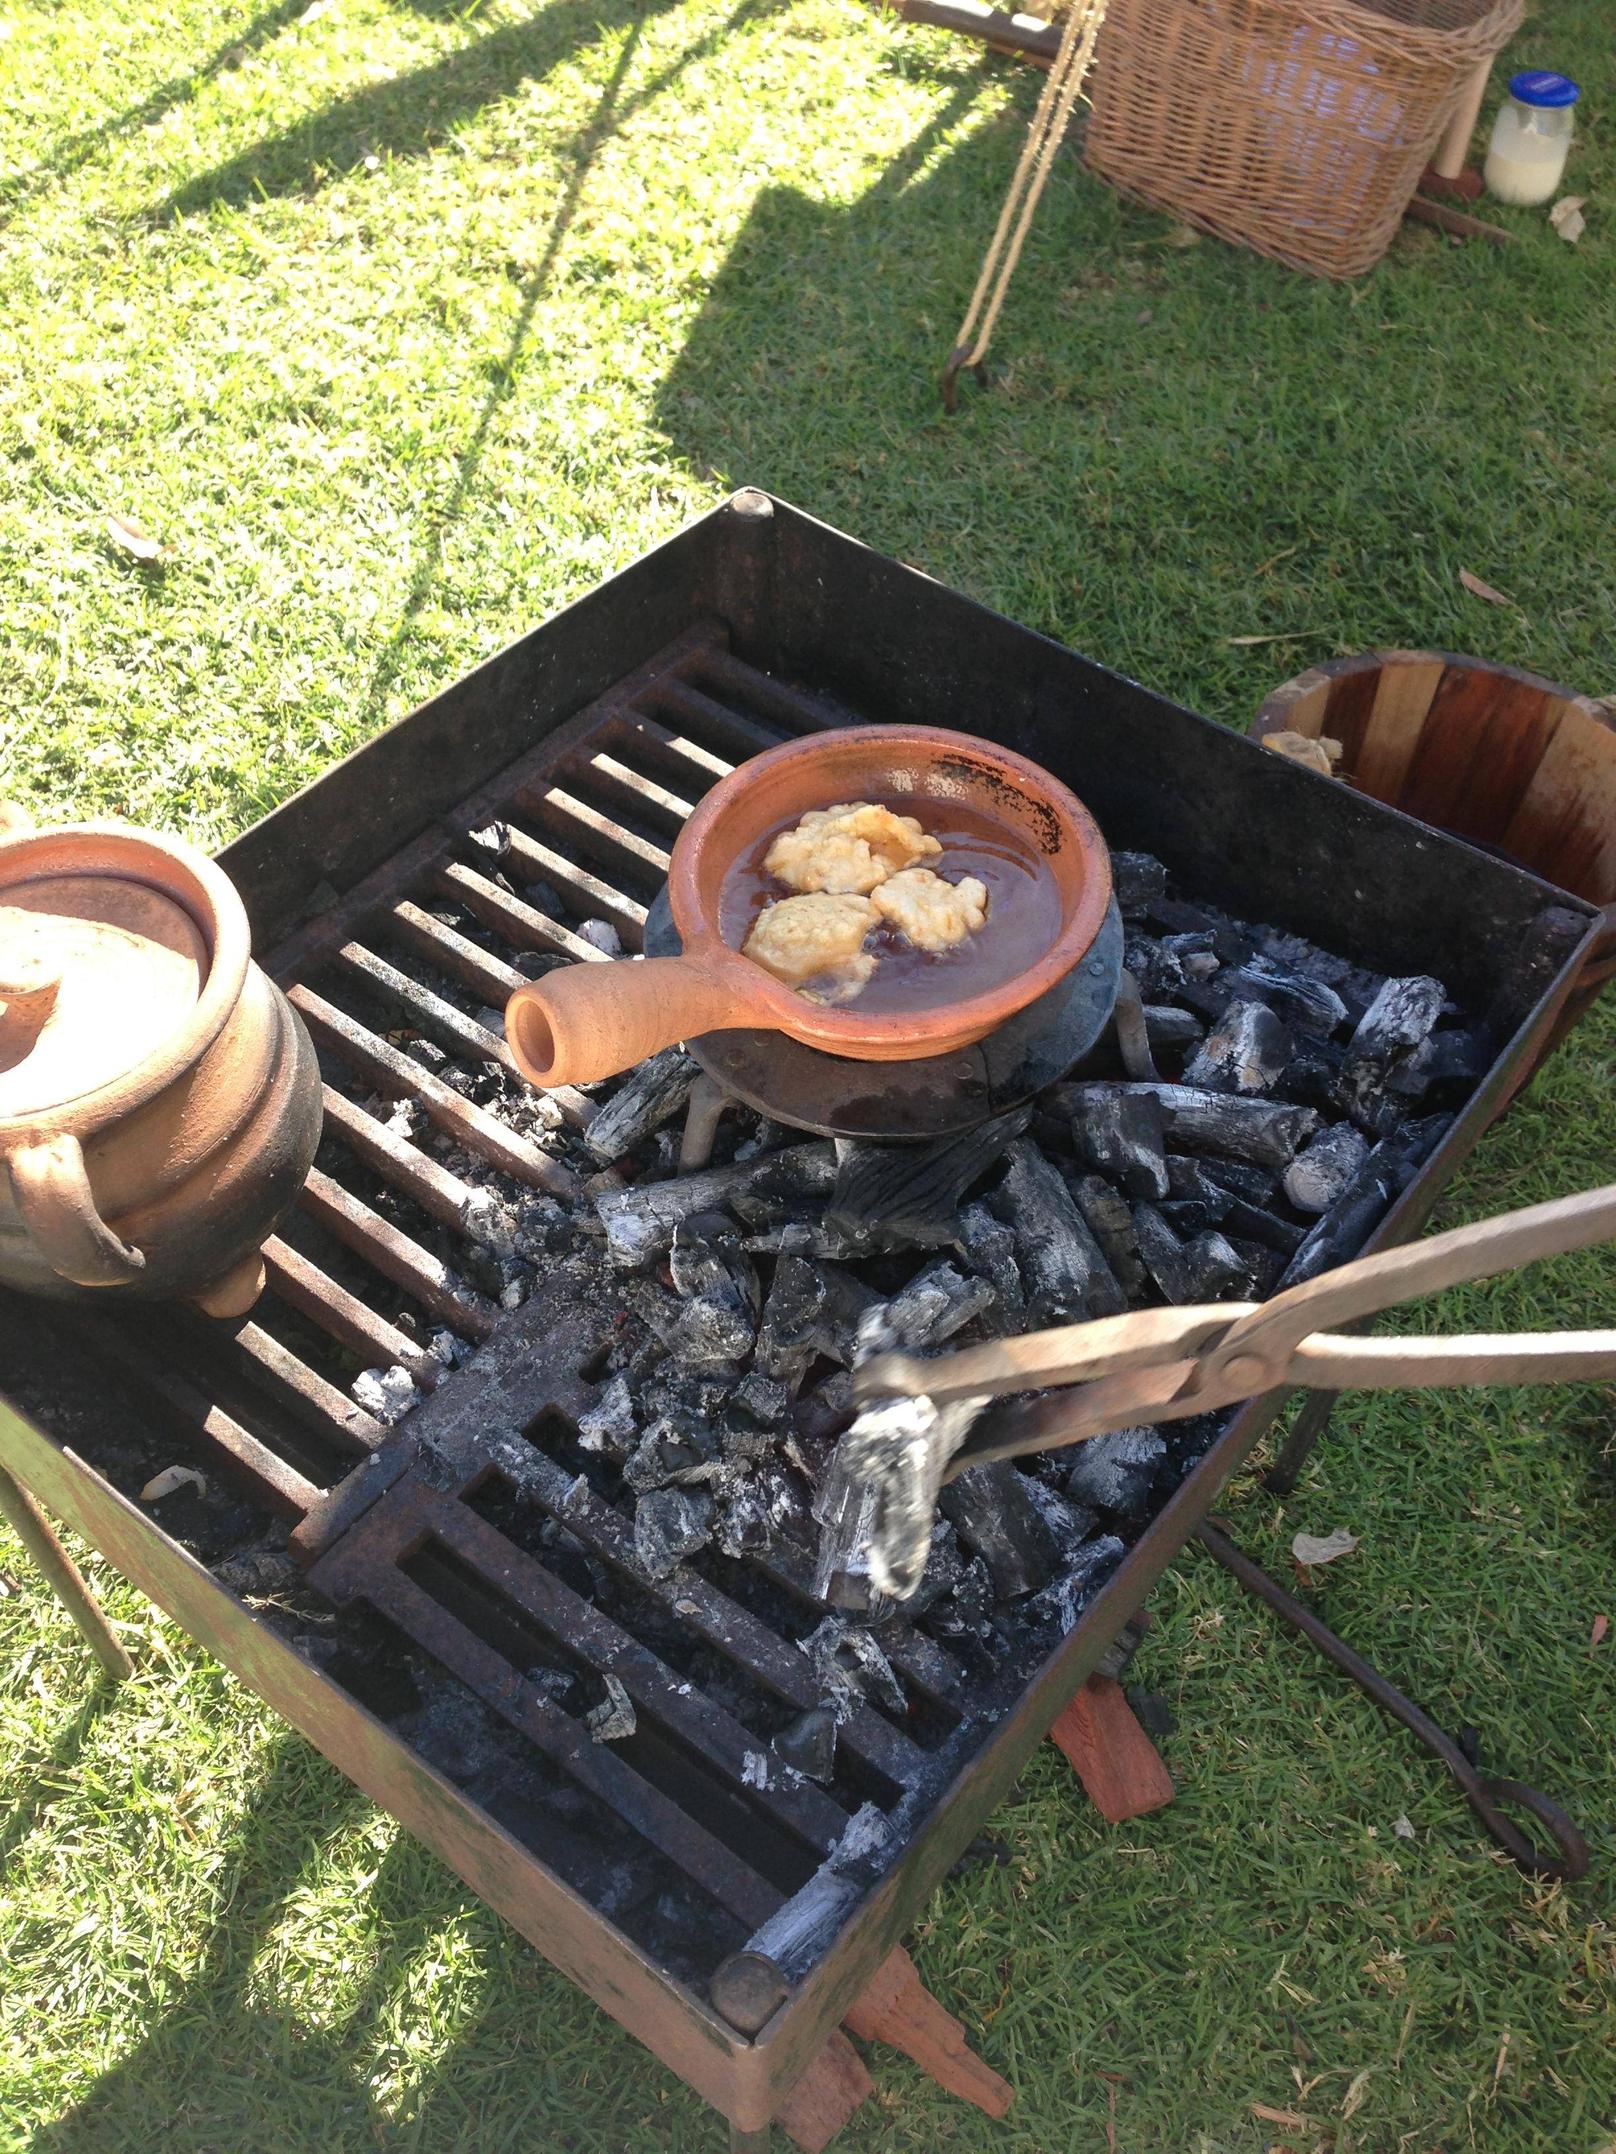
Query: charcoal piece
point(1136, 878)
point(826, 1411)
point(1263, 1267)
point(1066, 1597)
point(934, 1305)
point(812, 1310)
point(613, 1720)
point(1217, 1272)
point(989, 1247)
point(1066, 1276)
point(543, 897)
point(751, 1516)
point(707, 1261)
point(642, 1103)
point(1171, 1031)
point(1111, 1223)
point(427, 1053)
point(1193, 1215)
point(850, 1665)
point(534, 964)
point(1313, 1075)
point(1257, 1185)
point(1454, 1055)
point(1257, 1223)
point(670, 1524)
point(1246, 1051)
point(964, 1613)
point(1195, 954)
point(908, 1194)
point(639, 1221)
point(707, 1332)
point(1535, 958)
point(808, 1745)
point(945, 1572)
point(1263, 1132)
point(1310, 1004)
point(609, 1424)
point(490, 844)
point(1163, 1254)
point(810, 1238)
point(1190, 1182)
point(1320, 1172)
point(995, 1514)
point(1152, 1712)
point(667, 1453)
point(1382, 1178)
point(1119, 1134)
point(760, 1396)
point(1152, 969)
point(1070, 1523)
point(1398, 1021)
point(1116, 1472)
point(1234, 942)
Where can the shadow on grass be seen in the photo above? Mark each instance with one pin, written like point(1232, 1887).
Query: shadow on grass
point(27, 1804)
point(412, 115)
point(76, 149)
point(226, 2066)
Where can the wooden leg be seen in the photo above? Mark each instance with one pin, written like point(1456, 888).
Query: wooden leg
point(897, 2008)
point(825, 2096)
point(1118, 1764)
point(34, 1530)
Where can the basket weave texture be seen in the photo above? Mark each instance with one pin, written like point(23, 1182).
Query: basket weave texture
point(1297, 127)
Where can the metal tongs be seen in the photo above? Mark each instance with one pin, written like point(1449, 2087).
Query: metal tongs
point(924, 1421)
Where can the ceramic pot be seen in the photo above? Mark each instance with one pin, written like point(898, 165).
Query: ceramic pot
point(159, 1099)
point(585, 1022)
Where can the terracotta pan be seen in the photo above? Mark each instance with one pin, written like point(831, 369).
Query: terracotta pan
point(584, 1022)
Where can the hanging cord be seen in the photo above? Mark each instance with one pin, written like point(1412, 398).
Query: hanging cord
point(1044, 137)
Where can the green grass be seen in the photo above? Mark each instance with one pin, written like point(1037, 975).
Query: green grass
point(399, 325)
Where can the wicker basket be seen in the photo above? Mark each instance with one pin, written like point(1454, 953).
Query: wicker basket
point(1297, 127)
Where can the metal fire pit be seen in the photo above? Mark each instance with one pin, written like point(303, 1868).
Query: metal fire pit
point(592, 737)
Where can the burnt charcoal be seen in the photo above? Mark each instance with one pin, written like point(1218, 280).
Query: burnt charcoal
point(1234, 943)
point(1455, 1055)
point(812, 1310)
point(825, 1412)
point(1070, 1523)
point(934, 1305)
point(639, 1221)
point(1136, 878)
point(666, 1454)
point(1190, 1182)
point(613, 1720)
point(1066, 1276)
point(1538, 954)
point(1163, 1254)
point(1256, 1223)
point(989, 1247)
point(490, 844)
point(751, 1517)
point(808, 1745)
point(1193, 1215)
point(670, 1524)
point(945, 1572)
point(812, 1237)
point(543, 897)
point(534, 964)
point(995, 1514)
point(1171, 1031)
point(1396, 1024)
point(1318, 1174)
point(1111, 1223)
point(1152, 1712)
point(455, 1732)
point(1194, 954)
point(1246, 1051)
point(709, 1333)
point(1313, 1075)
point(1119, 1134)
point(1263, 1132)
point(707, 1260)
point(1116, 1472)
point(1384, 1175)
point(642, 1103)
point(1263, 1267)
point(1257, 1185)
point(1066, 1597)
point(906, 1194)
point(1310, 1004)
point(1151, 968)
point(609, 1424)
point(851, 1666)
point(427, 1053)
point(1216, 1269)
point(759, 1396)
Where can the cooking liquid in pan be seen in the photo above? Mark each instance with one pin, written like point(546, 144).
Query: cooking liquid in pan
point(1024, 908)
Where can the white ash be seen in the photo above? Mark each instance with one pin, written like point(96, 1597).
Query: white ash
point(490, 1222)
point(613, 1720)
point(513, 1294)
point(386, 1394)
point(448, 1349)
point(609, 1425)
point(880, 1495)
point(600, 935)
point(400, 1117)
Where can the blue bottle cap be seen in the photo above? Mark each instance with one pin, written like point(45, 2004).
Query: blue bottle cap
point(1538, 87)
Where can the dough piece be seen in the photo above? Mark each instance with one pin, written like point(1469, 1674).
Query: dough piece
point(933, 914)
point(850, 848)
point(818, 938)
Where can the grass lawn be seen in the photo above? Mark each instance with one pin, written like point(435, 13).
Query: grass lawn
point(397, 325)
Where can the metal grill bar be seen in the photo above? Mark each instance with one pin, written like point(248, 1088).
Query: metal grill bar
point(636, 794)
point(422, 1275)
point(343, 1316)
point(522, 924)
point(426, 1011)
point(304, 1393)
point(597, 900)
point(570, 819)
point(438, 1192)
point(453, 953)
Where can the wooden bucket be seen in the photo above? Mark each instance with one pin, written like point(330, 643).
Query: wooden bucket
point(1488, 753)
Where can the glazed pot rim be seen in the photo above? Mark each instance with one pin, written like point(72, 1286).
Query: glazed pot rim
point(839, 1029)
point(211, 899)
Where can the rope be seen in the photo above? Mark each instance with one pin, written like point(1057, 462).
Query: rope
point(1044, 137)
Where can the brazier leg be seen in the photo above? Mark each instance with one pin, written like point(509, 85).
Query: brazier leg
point(1294, 1453)
point(35, 1532)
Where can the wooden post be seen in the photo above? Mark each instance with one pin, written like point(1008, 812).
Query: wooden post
point(1118, 1764)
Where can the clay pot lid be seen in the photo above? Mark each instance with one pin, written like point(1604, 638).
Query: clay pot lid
point(96, 973)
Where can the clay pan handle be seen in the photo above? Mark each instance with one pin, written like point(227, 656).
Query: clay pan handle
point(584, 1022)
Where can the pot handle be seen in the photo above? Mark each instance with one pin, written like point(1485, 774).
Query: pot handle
point(56, 1205)
point(584, 1022)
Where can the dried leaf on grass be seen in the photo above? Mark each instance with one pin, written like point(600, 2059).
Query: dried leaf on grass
point(170, 1480)
point(1478, 589)
point(128, 537)
point(1292, 2119)
point(1567, 218)
point(1403, 1827)
point(1600, 1630)
point(1355, 2095)
point(1313, 1548)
